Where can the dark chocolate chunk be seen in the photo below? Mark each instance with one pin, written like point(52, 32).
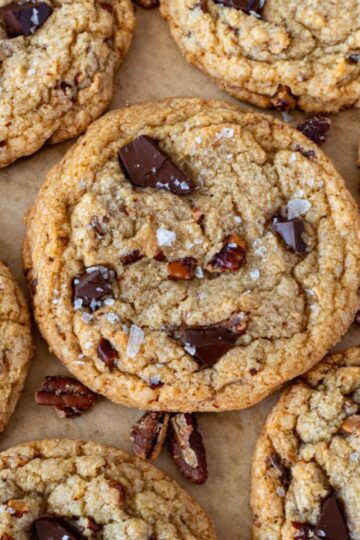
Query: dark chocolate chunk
point(309, 154)
point(354, 58)
point(147, 166)
point(331, 524)
point(149, 433)
point(248, 6)
point(69, 396)
point(91, 286)
point(23, 18)
point(147, 4)
point(230, 257)
point(208, 345)
point(290, 230)
point(182, 269)
point(304, 531)
point(55, 529)
point(315, 128)
point(107, 353)
point(187, 448)
point(132, 257)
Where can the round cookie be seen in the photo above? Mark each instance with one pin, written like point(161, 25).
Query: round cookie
point(234, 270)
point(77, 490)
point(274, 53)
point(15, 344)
point(307, 461)
point(57, 68)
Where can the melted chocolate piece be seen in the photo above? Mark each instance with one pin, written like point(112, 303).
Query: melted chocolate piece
point(209, 344)
point(331, 524)
point(55, 529)
point(23, 18)
point(91, 286)
point(248, 6)
point(290, 230)
point(315, 128)
point(148, 166)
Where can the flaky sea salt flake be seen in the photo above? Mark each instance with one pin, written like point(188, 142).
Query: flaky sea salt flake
point(136, 338)
point(165, 237)
point(297, 207)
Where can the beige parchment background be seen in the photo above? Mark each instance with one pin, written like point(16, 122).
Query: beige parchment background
point(154, 69)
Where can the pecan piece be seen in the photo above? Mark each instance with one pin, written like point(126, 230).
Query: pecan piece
point(230, 257)
point(351, 424)
point(149, 433)
point(17, 508)
point(182, 268)
point(107, 353)
point(114, 484)
point(187, 448)
point(69, 396)
point(131, 257)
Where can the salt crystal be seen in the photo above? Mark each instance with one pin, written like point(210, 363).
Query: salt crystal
point(125, 329)
point(280, 491)
point(254, 274)
point(86, 317)
point(225, 132)
point(310, 182)
point(189, 245)
point(165, 237)
point(82, 184)
point(78, 303)
point(198, 140)
point(109, 301)
point(112, 317)
point(299, 193)
point(55, 301)
point(35, 17)
point(298, 207)
point(199, 273)
point(202, 295)
point(88, 345)
point(190, 349)
point(286, 116)
point(293, 157)
point(355, 456)
point(136, 338)
point(237, 219)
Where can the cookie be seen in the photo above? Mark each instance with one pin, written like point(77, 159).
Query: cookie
point(75, 490)
point(274, 53)
point(307, 461)
point(192, 256)
point(15, 344)
point(57, 68)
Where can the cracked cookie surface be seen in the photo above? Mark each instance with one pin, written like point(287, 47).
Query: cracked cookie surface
point(309, 48)
point(101, 491)
point(90, 223)
point(309, 453)
point(15, 344)
point(57, 80)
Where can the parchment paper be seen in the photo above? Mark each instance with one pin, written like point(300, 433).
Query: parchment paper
point(154, 69)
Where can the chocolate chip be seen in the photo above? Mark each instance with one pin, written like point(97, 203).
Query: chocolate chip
point(290, 230)
point(208, 345)
point(187, 448)
point(148, 166)
point(23, 18)
point(203, 5)
point(354, 58)
point(248, 6)
point(304, 531)
point(182, 269)
point(55, 529)
point(132, 257)
point(96, 224)
point(91, 286)
point(230, 257)
point(147, 4)
point(315, 128)
point(309, 154)
point(149, 433)
point(107, 353)
point(331, 524)
point(69, 396)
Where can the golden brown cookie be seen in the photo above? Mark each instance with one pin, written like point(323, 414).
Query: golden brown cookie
point(307, 461)
point(58, 61)
point(73, 490)
point(192, 256)
point(16, 346)
point(274, 53)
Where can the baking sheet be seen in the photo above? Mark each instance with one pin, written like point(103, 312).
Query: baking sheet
point(153, 69)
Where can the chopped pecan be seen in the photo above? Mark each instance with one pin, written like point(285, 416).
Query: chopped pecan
point(230, 257)
point(351, 424)
point(182, 268)
point(114, 484)
point(67, 395)
point(187, 448)
point(132, 257)
point(149, 433)
point(17, 508)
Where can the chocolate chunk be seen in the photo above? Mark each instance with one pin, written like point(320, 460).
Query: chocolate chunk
point(69, 396)
point(248, 6)
point(187, 448)
point(92, 286)
point(304, 531)
point(315, 128)
point(309, 154)
point(208, 345)
point(96, 224)
point(290, 230)
point(354, 58)
point(132, 257)
point(149, 433)
point(147, 4)
point(182, 268)
point(55, 529)
point(281, 471)
point(107, 353)
point(23, 18)
point(284, 99)
point(148, 166)
point(230, 257)
point(331, 524)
